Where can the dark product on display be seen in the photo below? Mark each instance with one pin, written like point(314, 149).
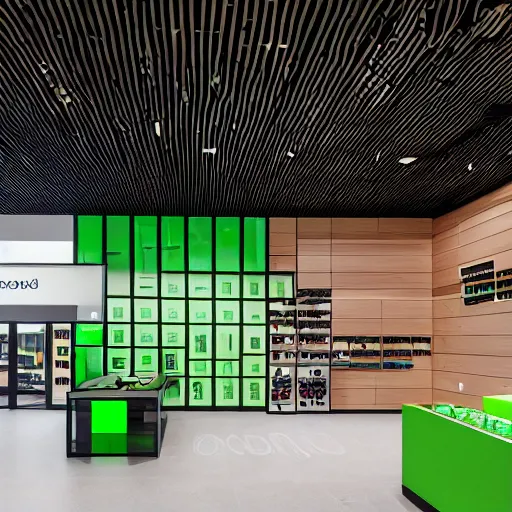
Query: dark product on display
point(255, 343)
point(226, 288)
point(254, 391)
point(479, 283)
point(62, 381)
point(421, 346)
point(200, 343)
point(312, 389)
point(227, 389)
point(146, 359)
point(397, 353)
point(197, 389)
point(254, 289)
point(255, 318)
point(228, 316)
point(365, 352)
point(61, 364)
point(118, 363)
point(280, 289)
point(340, 353)
point(227, 368)
point(118, 336)
point(172, 337)
point(281, 388)
point(61, 334)
point(171, 362)
point(255, 368)
point(63, 351)
point(504, 284)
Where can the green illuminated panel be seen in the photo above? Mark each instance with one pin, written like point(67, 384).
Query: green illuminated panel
point(200, 392)
point(227, 286)
point(227, 392)
point(173, 335)
point(174, 395)
point(173, 285)
point(227, 311)
point(145, 310)
point(200, 286)
point(118, 256)
point(146, 360)
point(173, 311)
point(173, 361)
point(281, 287)
point(146, 283)
point(200, 244)
point(254, 366)
point(90, 239)
point(253, 392)
point(254, 245)
point(200, 311)
point(254, 339)
point(254, 286)
point(118, 310)
point(200, 368)
point(173, 243)
point(254, 312)
point(227, 368)
point(88, 364)
point(118, 361)
point(200, 342)
point(109, 417)
point(227, 242)
point(89, 334)
point(119, 335)
point(227, 342)
point(146, 335)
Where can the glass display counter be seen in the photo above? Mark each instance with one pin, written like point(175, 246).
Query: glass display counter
point(115, 422)
point(456, 459)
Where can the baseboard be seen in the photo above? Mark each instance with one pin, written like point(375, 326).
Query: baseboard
point(417, 500)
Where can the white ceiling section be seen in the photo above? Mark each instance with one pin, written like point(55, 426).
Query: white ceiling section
point(36, 239)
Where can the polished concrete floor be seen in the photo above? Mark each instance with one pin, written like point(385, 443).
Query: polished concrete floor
point(210, 462)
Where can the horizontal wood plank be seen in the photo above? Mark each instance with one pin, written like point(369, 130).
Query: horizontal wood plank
point(405, 225)
point(355, 248)
point(282, 244)
point(385, 280)
point(486, 325)
point(379, 264)
point(490, 366)
point(440, 396)
point(404, 379)
point(341, 397)
point(313, 280)
point(283, 263)
point(477, 385)
point(476, 345)
point(283, 225)
point(314, 263)
point(309, 247)
point(356, 327)
point(314, 228)
point(350, 226)
point(406, 326)
point(356, 308)
point(406, 309)
point(383, 293)
point(403, 396)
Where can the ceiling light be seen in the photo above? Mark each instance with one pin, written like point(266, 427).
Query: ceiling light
point(283, 46)
point(290, 154)
point(408, 160)
point(157, 128)
point(470, 167)
point(378, 156)
point(212, 150)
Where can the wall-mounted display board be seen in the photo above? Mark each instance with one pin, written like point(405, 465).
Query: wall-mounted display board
point(186, 297)
point(397, 353)
point(478, 283)
point(504, 284)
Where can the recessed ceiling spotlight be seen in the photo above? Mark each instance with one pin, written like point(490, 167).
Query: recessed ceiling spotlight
point(157, 128)
point(408, 160)
point(283, 46)
point(290, 154)
point(211, 151)
point(378, 156)
point(470, 167)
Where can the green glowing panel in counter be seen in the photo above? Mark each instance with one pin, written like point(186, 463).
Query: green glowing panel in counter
point(499, 405)
point(88, 364)
point(109, 417)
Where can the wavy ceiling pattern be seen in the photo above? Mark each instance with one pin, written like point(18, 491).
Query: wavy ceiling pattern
point(247, 107)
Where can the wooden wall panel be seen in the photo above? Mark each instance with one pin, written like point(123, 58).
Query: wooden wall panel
point(487, 325)
point(406, 326)
point(486, 229)
point(380, 273)
point(349, 308)
point(405, 309)
point(370, 264)
point(473, 384)
point(475, 345)
point(491, 366)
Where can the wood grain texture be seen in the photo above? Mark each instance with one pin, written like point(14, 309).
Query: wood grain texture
point(283, 263)
point(341, 397)
point(356, 308)
point(282, 244)
point(490, 366)
point(486, 229)
point(379, 264)
point(312, 247)
point(474, 345)
point(407, 226)
point(314, 263)
point(447, 277)
point(406, 326)
point(314, 280)
point(285, 225)
point(356, 327)
point(487, 325)
point(347, 227)
point(314, 228)
point(384, 281)
point(374, 248)
point(404, 379)
point(403, 396)
point(383, 293)
point(473, 384)
point(406, 309)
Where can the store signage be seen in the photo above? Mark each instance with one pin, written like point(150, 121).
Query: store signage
point(53, 285)
point(19, 285)
point(481, 283)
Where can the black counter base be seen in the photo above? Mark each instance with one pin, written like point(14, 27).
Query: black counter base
point(417, 500)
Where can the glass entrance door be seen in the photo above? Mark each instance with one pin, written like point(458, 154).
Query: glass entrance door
point(31, 371)
point(4, 365)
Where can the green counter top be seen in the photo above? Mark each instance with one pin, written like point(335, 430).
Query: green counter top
point(498, 405)
point(454, 466)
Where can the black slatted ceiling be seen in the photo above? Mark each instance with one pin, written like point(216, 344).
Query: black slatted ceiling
point(168, 107)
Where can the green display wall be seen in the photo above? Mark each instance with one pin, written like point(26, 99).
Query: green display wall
point(185, 297)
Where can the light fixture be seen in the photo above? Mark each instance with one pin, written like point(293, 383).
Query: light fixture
point(378, 156)
point(212, 150)
point(408, 160)
point(157, 128)
point(290, 154)
point(470, 167)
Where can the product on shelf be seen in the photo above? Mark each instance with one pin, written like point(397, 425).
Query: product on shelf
point(397, 353)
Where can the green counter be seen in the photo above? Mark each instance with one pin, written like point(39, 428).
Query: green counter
point(499, 405)
point(453, 466)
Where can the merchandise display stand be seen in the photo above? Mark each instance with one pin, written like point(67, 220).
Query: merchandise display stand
point(499, 405)
point(115, 422)
point(456, 467)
